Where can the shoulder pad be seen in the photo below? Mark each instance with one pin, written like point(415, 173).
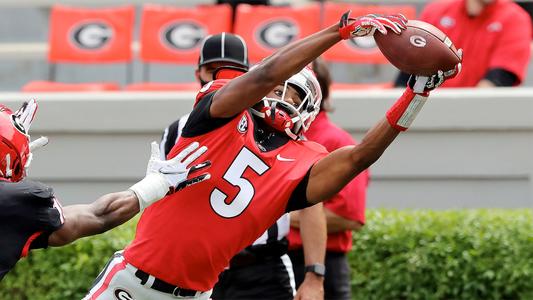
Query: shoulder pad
point(211, 86)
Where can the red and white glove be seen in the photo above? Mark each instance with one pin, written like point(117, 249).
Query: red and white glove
point(366, 25)
point(406, 108)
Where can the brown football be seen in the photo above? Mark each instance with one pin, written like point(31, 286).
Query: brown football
point(421, 49)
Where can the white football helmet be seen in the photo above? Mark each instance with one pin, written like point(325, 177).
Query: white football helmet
point(299, 118)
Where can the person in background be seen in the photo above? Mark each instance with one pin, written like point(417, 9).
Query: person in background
point(345, 211)
point(262, 270)
point(495, 36)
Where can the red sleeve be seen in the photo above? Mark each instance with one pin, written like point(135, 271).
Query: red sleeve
point(513, 48)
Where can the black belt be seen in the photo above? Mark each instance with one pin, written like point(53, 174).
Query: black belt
point(162, 286)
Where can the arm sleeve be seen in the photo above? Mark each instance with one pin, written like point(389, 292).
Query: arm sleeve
point(298, 199)
point(501, 77)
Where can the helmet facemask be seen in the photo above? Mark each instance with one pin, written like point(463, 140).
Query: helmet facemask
point(15, 146)
point(290, 119)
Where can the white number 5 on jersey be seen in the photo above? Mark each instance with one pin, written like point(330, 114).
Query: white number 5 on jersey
point(233, 175)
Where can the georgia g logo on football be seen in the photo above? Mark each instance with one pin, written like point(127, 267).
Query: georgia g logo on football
point(276, 34)
point(91, 36)
point(182, 35)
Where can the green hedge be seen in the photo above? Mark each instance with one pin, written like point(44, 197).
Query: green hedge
point(471, 254)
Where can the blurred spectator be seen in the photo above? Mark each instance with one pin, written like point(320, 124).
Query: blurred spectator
point(344, 212)
point(495, 36)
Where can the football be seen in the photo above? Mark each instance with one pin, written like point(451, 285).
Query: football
point(421, 49)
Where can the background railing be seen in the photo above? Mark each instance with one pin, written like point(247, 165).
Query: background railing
point(468, 148)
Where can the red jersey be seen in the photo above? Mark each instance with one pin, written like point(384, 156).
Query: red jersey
point(499, 38)
point(188, 238)
point(350, 202)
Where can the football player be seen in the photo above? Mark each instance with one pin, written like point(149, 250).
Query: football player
point(252, 125)
point(245, 277)
point(31, 216)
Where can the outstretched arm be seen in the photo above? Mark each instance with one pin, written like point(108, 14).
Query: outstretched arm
point(248, 89)
point(329, 175)
point(107, 212)
point(112, 210)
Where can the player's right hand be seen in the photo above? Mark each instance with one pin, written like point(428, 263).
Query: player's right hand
point(425, 84)
point(164, 176)
point(177, 170)
point(366, 25)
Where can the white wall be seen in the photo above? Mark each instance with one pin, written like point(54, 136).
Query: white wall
point(468, 148)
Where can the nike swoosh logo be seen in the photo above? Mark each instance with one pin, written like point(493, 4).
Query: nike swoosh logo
point(284, 159)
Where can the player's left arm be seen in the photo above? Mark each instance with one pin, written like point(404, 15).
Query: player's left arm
point(330, 174)
point(112, 210)
point(312, 223)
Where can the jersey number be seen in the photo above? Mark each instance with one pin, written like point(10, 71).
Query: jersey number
point(233, 175)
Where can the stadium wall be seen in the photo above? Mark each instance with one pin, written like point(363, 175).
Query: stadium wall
point(467, 149)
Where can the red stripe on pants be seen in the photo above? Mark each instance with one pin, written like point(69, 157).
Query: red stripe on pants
point(108, 278)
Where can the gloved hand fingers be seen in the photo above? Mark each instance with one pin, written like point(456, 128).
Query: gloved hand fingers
point(200, 166)
point(26, 113)
point(438, 80)
point(344, 19)
point(195, 155)
point(399, 18)
point(192, 181)
point(38, 143)
point(385, 22)
point(366, 25)
point(168, 169)
point(154, 151)
point(453, 72)
point(185, 152)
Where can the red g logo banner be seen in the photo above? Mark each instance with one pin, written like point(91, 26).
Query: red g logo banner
point(268, 28)
point(90, 35)
point(363, 49)
point(173, 34)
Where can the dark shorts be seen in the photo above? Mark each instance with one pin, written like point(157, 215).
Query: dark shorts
point(337, 279)
point(268, 278)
